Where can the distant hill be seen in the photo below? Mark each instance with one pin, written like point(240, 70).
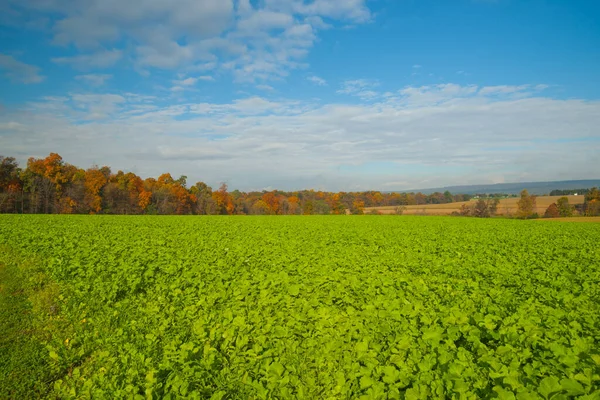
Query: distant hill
point(513, 188)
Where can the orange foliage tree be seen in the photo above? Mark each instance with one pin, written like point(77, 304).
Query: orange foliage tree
point(94, 182)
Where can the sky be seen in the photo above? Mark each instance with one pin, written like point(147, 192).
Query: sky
point(340, 95)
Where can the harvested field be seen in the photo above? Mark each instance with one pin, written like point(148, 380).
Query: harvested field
point(572, 219)
point(506, 206)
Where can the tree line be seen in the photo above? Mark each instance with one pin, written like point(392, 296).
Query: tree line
point(568, 192)
point(52, 186)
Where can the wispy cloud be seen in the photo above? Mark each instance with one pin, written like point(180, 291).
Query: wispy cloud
point(188, 83)
point(508, 89)
point(267, 88)
point(18, 71)
point(317, 81)
point(362, 88)
point(100, 59)
point(94, 79)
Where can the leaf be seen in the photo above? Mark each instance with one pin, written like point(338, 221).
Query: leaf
point(412, 394)
point(218, 395)
point(527, 396)
point(572, 387)
point(366, 382)
point(548, 386)
point(390, 374)
point(504, 394)
point(294, 290)
point(150, 378)
point(278, 368)
point(362, 347)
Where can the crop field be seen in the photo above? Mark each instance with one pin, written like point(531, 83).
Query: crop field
point(315, 307)
point(506, 206)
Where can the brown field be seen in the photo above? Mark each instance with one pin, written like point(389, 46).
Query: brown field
point(506, 206)
point(572, 219)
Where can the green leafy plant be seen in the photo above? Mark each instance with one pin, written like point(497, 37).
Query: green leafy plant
point(306, 307)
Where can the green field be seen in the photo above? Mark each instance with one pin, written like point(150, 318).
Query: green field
point(328, 307)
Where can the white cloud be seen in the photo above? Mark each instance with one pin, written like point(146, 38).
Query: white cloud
point(435, 94)
point(18, 71)
point(162, 52)
point(502, 89)
point(259, 41)
point(317, 81)
point(100, 59)
point(267, 88)
point(352, 10)
point(362, 88)
point(264, 20)
point(460, 133)
point(94, 79)
point(187, 83)
point(97, 106)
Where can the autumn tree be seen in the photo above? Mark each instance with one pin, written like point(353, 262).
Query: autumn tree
point(552, 211)
point(95, 179)
point(493, 205)
point(308, 207)
point(399, 210)
point(43, 182)
point(272, 202)
point(9, 172)
point(205, 204)
point(291, 205)
point(484, 208)
point(72, 194)
point(466, 210)
point(481, 209)
point(420, 198)
point(336, 206)
point(358, 207)
point(125, 193)
point(223, 201)
point(169, 196)
point(260, 207)
point(10, 184)
point(592, 203)
point(526, 205)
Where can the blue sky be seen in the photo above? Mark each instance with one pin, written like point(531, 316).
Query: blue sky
point(293, 94)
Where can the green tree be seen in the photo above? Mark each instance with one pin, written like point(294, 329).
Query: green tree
point(526, 205)
point(564, 208)
point(448, 197)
